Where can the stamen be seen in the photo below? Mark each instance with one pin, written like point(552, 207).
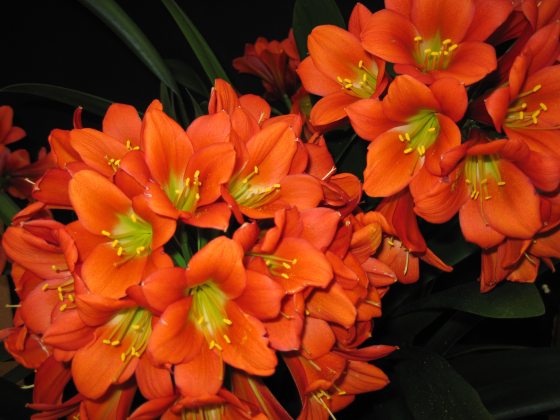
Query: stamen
point(227, 339)
point(227, 321)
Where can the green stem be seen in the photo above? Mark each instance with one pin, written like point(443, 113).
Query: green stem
point(8, 209)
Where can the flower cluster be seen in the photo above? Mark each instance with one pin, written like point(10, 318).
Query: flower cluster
point(188, 263)
point(197, 255)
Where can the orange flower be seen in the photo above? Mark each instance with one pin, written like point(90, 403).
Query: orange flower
point(433, 39)
point(409, 130)
point(274, 63)
point(339, 69)
point(204, 321)
point(9, 133)
point(127, 233)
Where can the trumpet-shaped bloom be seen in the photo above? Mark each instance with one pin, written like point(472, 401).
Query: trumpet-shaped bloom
point(409, 130)
point(433, 39)
point(339, 69)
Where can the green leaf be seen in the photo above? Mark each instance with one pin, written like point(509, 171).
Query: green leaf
point(434, 390)
point(125, 28)
point(167, 101)
point(207, 59)
point(311, 13)
point(197, 109)
point(508, 300)
point(75, 98)
point(8, 209)
point(188, 78)
point(514, 383)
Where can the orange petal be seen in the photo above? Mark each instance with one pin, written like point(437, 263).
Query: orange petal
point(262, 296)
point(406, 98)
point(123, 123)
point(367, 118)
point(215, 216)
point(452, 97)
point(318, 338)
point(358, 19)
point(474, 227)
point(285, 330)
point(331, 109)
point(443, 18)
point(209, 129)
point(314, 81)
point(332, 305)
point(488, 16)
point(470, 63)
point(201, 376)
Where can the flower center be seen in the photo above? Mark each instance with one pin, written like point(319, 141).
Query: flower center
point(364, 83)
point(478, 169)
point(65, 292)
point(249, 195)
point(208, 412)
point(277, 266)
point(207, 313)
point(523, 114)
point(433, 54)
point(419, 134)
point(185, 195)
point(131, 330)
point(131, 236)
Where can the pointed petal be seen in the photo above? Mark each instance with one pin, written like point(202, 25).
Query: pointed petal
point(318, 338)
point(214, 216)
point(488, 16)
point(475, 229)
point(262, 296)
point(314, 81)
point(465, 67)
point(358, 19)
point(406, 98)
point(123, 123)
point(332, 305)
point(367, 118)
point(443, 18)
point(200, 376)
point(452, 97)
point(96, 148)
point(209, 129)
point(331, 108)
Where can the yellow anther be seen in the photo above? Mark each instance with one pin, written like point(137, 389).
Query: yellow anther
point(401, 138)
point(284, 275)
point(218, 346)
point(468, 181)
point(115, 243)
point(105, 233)
point(534, 116)
point(543, 106)
point(418, 38)
point(446, 53)
point(360, 63)
point(435, 53)
point(115, 343)
point(70, 297)
point(537, 88)
point(294, 261)
point(347, 81)
point(136, 327)
point(226, 338)
point(339, 79)
point(390, 241)
point(123, 357)
point(407, 136)
point(453, 47)
point(427, 51)
point(140, 249)
point(227, 321)
point(342, 392)
point(488, 197)
point(348, 85)
point(364, 78)
point(45, 287)
point(133, 218)
point(286, 265)
point(521, 115)
point(421, 150)
point(431, 129)
point(212, 344)
point(501, 183)
point(277, 185)
point(108, 342)
point(120, 251)
point(128, 145)
point(63, 307)
point(117, 162)
point(446, 41)
point(196, 174)
point(484, 181)
point(54, 268)
point(408, 150)
point(200, 320)
point(197, 196)
point(307, 312)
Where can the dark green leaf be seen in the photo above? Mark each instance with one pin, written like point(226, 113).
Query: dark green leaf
point(75, 98)
point(311, 13)
point(508, 300)
point(207, 59)
point(167, 101)
point(514, 383)
point(187, 77)
point(434, 390)
point(196, 106)
point(125, 28)
point(8, 209)
point(455, 328)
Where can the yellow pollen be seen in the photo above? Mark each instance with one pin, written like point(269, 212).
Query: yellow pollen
point(408, 150)
point(418, 38)
point(453, 47)
point(431, 129)
point(140, 249)
point(347, 81)
point(133, 218)
point(360, 63)
point(435, 53)
point(187, 182)
point(71, 298)
point(136, 327)
point(484, 181)
point(537, 88)
point(196, 174)
point(120, 251)
point(197, 196)
point(63, 307)
point(45, 287)
point(200, 320)
point(227, 339)
point(339, 79)
point(285, 276)
point(105, 233)
point(543, 106)
point(342, 392)
point(467, 181)
point(286, 265)
point(307, 312)
point(108, 342)
point(54, 268)
point(294, 261)
point(501, 183)
point(212, 344)
point(427, 51)
point(277, 185)
point(401, 138)
point(115, 343)
point(446, 41)
point(488, 197)
point(521, 115)
point(114, 243)
point(227, 321)
point(123, 357)
point(421, 150)
point(407, 136)
point(218, 346)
